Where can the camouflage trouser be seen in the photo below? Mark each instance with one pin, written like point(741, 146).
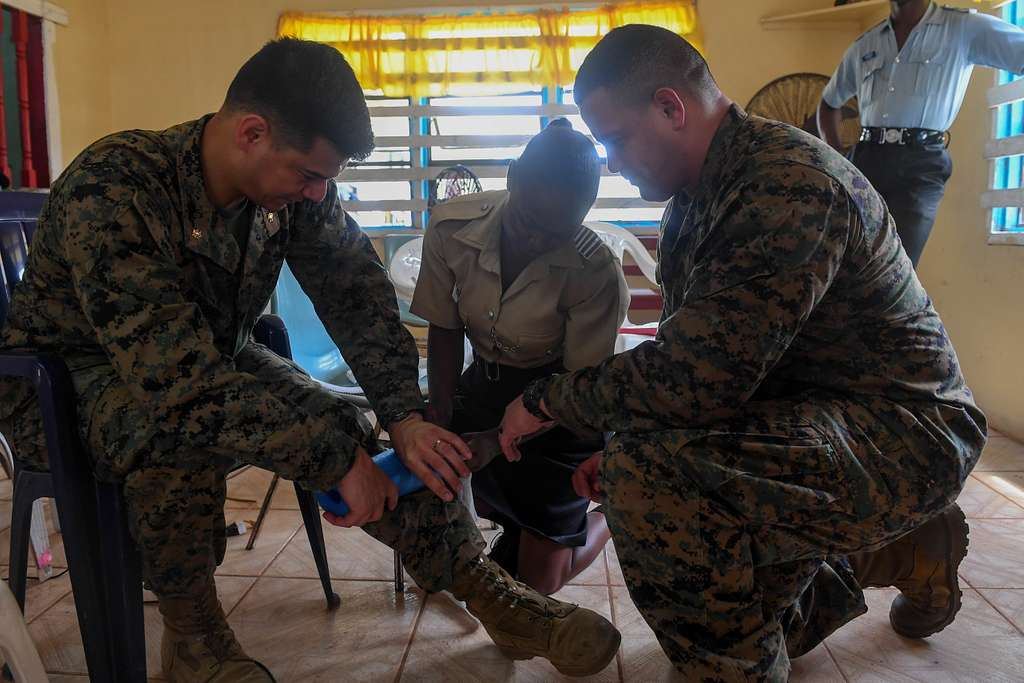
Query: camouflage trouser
point(732, 539)
point(175, 496)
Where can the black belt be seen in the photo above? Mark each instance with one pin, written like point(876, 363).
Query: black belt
point(904, 136)
point(496, 372)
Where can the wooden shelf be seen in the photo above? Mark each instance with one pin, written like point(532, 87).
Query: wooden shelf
point(856, 12)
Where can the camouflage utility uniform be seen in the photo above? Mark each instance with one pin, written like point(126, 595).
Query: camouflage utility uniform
point(800, 402)
point(136, 281)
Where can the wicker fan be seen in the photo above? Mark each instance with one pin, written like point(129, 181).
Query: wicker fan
point(453, 181)
point(794, 99)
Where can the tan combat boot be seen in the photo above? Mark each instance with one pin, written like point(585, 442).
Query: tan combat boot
point(525, 624)
point(199, 646)
point(923, 565)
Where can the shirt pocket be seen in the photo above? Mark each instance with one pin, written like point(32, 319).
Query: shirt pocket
point(542, 343)
point(931, 77)
point(873, 81)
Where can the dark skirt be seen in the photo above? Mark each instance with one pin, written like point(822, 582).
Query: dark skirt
point(536, 492)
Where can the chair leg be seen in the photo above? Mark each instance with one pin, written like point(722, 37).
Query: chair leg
point(122, 586)
point(263, 513)
point(76, 505)
point(315, 532)
point(399, 573)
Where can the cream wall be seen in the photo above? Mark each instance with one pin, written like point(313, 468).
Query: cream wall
point(83, 63)
point(152, 63)
point(978, 289)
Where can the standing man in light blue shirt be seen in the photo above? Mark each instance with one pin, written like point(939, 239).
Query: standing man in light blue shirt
point(910, 74)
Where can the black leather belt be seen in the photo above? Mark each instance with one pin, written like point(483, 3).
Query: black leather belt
point(904, 136)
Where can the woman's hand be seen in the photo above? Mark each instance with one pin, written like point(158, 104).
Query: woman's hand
point(518, 424)
point(433, 454)
point(586, 480)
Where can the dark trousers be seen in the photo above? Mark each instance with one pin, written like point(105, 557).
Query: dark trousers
point(911, 180)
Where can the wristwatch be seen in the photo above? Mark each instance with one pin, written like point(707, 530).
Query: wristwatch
point(532, 396)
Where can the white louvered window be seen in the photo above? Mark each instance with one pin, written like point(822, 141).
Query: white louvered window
point(1005, 196)
point(416, 140)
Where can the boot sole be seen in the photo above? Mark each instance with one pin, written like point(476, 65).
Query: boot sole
point(566, 669)
point(958, 531)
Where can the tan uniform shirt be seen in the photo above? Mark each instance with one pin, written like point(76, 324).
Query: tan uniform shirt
point(568, 304)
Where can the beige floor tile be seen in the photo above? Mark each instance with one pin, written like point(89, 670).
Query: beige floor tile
point(995, 557)
point(5, 513)
point(1010, 484)
point(283, 622)
point(817, 666)
point(642, 657)
point(594, 575)
point(56, 636)
point(979, 501)
point(1001, 454)
point(248, 488)
point(351, 553)
point(977, 647)
point(450, 645)
point(615, 577)
point(1009, 602)
point(42, 595)
point(278, 528)
point(56, 633)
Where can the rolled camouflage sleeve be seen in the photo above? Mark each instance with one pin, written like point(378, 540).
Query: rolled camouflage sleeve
point(772, 255)
point(338, 269)
point(160, 345)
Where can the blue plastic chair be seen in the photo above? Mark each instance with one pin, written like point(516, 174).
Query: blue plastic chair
point(312, 348)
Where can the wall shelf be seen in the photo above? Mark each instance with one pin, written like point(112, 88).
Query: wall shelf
point(857, 13)
point(854, 13)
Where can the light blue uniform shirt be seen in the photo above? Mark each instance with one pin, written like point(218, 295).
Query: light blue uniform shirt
point(923, 85)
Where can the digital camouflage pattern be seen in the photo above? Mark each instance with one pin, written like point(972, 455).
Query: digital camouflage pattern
point(134, 279)
point(800, 402)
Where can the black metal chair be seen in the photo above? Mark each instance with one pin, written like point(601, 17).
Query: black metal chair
point(104, 564)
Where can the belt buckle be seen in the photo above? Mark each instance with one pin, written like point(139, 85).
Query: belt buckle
point(893, 135)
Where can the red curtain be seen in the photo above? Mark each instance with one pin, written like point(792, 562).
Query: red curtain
point(37, 102)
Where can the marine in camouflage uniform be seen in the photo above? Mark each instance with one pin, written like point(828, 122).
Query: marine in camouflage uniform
point(801, 402)
point(145, 290)
point(132, 278)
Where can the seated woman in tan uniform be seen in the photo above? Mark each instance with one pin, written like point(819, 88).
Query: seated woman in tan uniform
point(536, 293)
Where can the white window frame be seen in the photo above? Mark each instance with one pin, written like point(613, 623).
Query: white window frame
point(995, 149)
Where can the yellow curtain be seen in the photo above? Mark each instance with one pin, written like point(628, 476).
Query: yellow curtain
point(474, 54)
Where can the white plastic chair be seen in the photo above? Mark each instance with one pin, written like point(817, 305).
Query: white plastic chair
point(16, 646)
point(404, 268)
point(622, 241)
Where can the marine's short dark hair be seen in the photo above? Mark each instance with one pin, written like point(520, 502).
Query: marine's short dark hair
point(305, 90)
point(636, 60)
point(564, 159)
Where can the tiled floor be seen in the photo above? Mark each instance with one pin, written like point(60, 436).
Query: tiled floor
point(276, 606)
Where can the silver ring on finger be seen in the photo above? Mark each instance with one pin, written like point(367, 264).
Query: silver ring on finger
point(437, 444)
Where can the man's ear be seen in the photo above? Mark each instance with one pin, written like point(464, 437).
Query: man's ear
point(251, 131)
point(671, 106)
